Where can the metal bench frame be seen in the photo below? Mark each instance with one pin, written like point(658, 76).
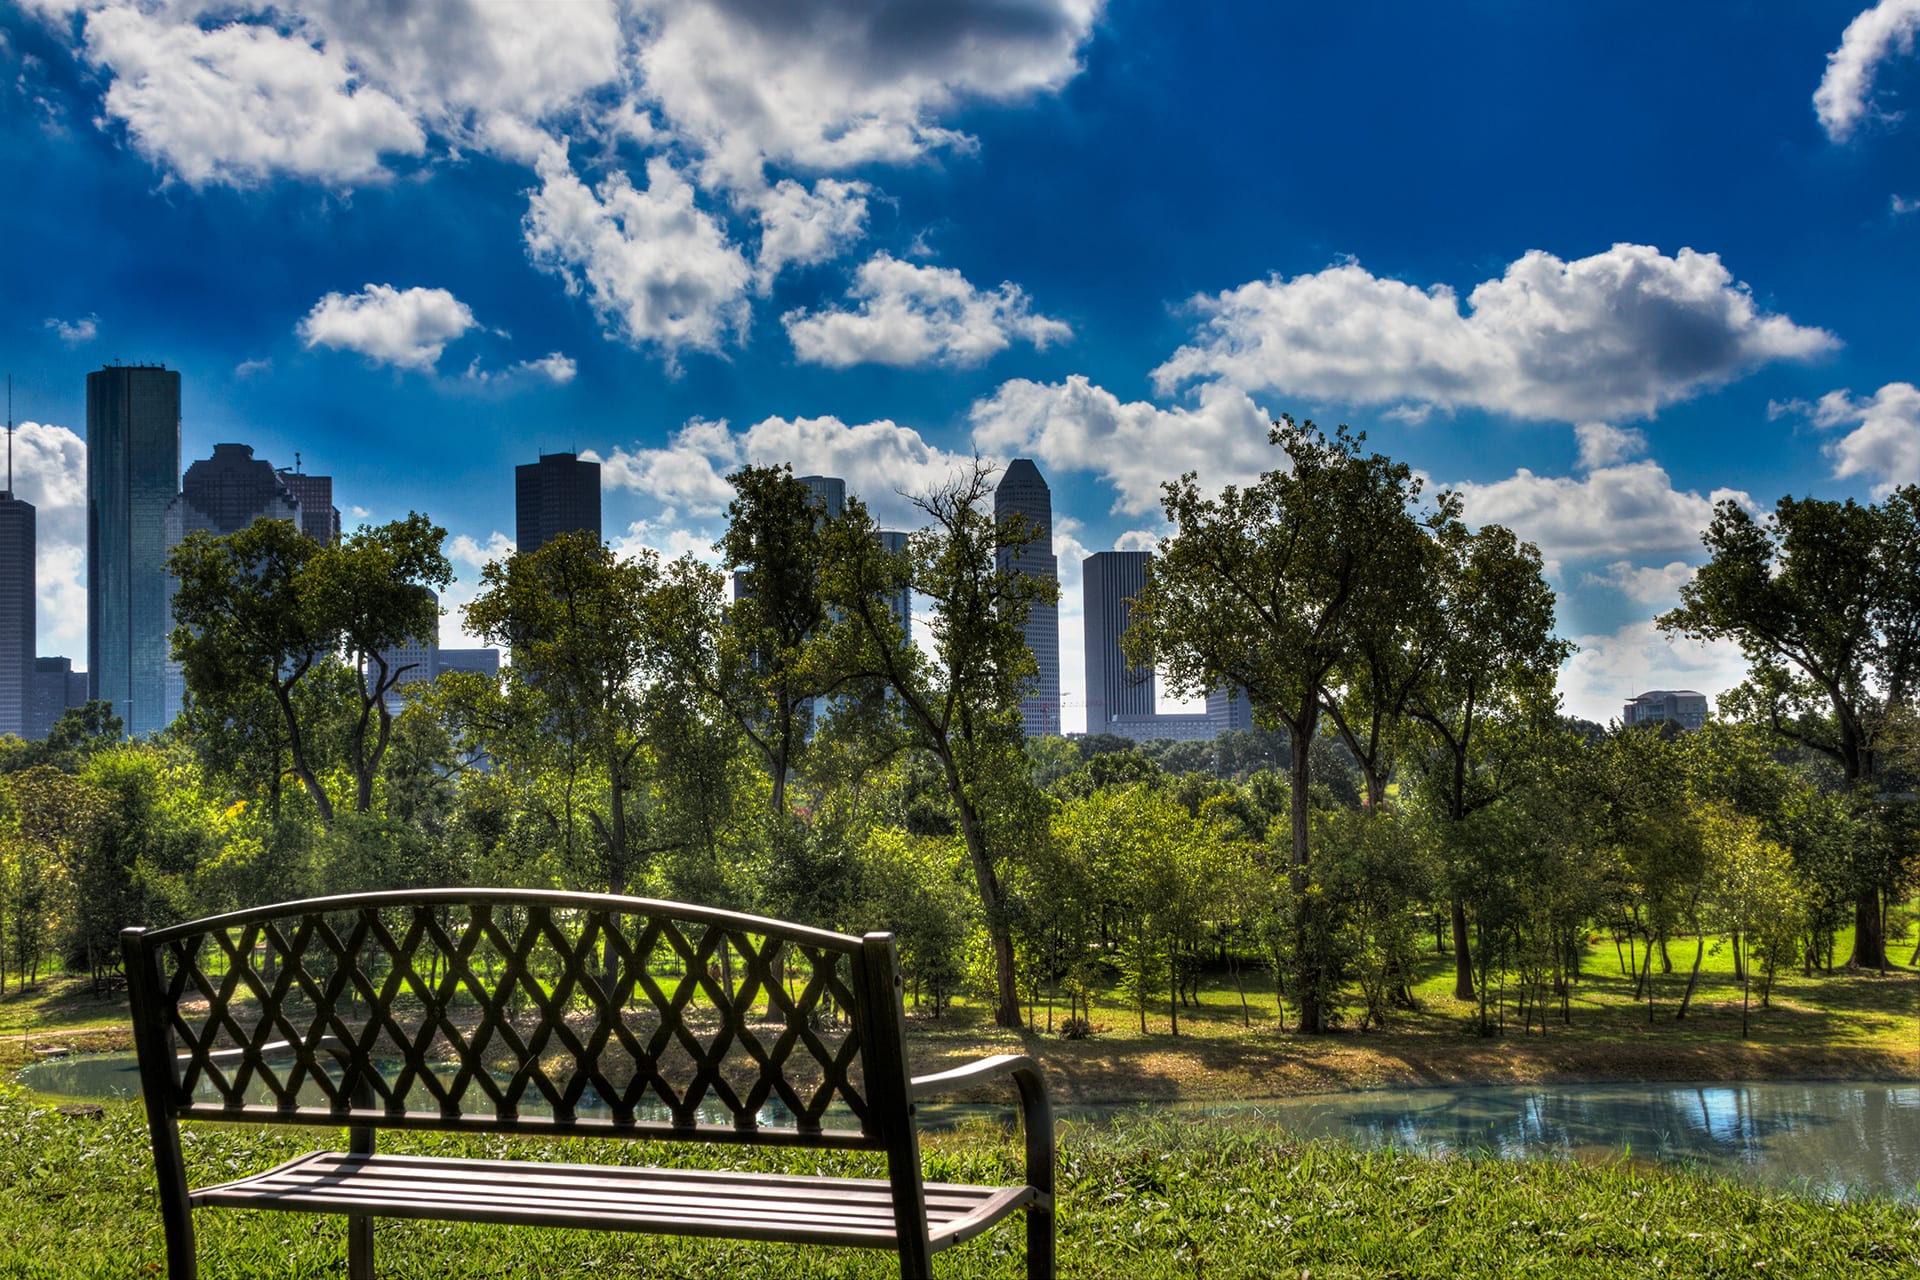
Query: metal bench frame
point(642, 1002)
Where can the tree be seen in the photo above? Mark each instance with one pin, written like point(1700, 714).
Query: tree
point(1824, 600)
point(1267, 587)
point(958, 697)
point(1489, 679)
point(589, 637)
point(261, 610)
point(774, 652)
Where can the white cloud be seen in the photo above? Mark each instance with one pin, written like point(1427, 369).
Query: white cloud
point(882, 462)
point(1615, 335)
point(1135, 446)
point(1609, 669)
point(77, 332)
point(50, 471)
point(1902, 205)
point(555, 367)
point(1844, 97)
point(406, 328)
point(1644, 584)
point(241, 102)
point(917, 315)
point(1629, 511)
point(667, 538)
point(830, 85)
point(691, 470)
point(1603, 446)
point(799, 228)
point(248, 368)
point(464, 549)
point(656, 268)
point(1884, 442)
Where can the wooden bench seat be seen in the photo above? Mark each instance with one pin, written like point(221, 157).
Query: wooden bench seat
point(543, 1015)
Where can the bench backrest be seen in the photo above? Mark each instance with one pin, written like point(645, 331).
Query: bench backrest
point(524, 1011)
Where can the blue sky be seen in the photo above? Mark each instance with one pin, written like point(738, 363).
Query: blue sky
point(1596, 266)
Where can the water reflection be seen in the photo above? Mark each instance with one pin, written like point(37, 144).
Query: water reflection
point(1822, 1139)
point(1819, 1138)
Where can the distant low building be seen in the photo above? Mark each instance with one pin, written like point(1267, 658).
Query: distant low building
point(57, 689)
point(1177, 726)
point(1683, 707)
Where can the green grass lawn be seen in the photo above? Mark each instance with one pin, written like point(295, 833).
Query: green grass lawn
point(1139, 1200)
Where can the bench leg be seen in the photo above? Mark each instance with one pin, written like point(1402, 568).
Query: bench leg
point(1040, 1256)
point(359, 1246)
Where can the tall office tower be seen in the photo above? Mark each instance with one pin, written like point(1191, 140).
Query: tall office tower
point(228, 492)
point(1109, 582)
point(829, 493)
point(558, 494)
point(222, 494)
point(16, 607)
point(133, 472)
point(319, 518)
point(901, 601)
point(1024, 493)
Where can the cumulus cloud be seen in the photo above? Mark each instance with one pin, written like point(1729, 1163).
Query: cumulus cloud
point(1630, 511)
point(882, 462)
point(74, 332)
point(1137, 540)
point(1602, 445)
point(831, 85)
point(50, 471)
point(1644, 584)
point(1845, 95)
point(1134, 445)
point(1596, 682)
point(801, 227)
point(691, 470)
point(658, 270)
point(405, 328)
point(466, 550)
point(1883, 440)
point(918, 315)
point(1615, 335)
point(241, 102)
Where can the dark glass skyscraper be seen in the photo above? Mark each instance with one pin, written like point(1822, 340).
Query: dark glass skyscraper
point(319, 518)
point(1024, 493)
point(16, 613)
point(558, 494)
point(1109, 581)
point(133, 472)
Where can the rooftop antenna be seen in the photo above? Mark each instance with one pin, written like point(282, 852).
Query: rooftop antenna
point(296, 462)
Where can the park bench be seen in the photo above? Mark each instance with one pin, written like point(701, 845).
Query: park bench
point(545, 1014)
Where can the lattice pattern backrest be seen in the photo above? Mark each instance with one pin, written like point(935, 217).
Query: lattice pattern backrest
point(536, 1009)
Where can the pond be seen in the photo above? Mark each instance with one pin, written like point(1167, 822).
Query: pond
point(1819, 1138)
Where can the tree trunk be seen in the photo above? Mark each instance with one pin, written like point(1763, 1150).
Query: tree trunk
point(1699, 952)
point(1306, 966)
point(1869, 942)
point(1006, 1011)
point(1462, 954)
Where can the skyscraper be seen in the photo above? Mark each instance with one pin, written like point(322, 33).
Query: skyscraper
point(222, 494)
point(1022, 492)
point(558, 494)
point(133, 472)
point(16, 606)
point(1109, 581)
point(319, 518)
point(829, 493)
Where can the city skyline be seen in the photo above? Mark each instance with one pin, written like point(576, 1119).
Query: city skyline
point(1566, 281)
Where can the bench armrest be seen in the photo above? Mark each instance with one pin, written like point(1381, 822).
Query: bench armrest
point(1036, 1109)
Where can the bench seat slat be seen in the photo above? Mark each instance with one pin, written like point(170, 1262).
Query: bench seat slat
point(847, 1211)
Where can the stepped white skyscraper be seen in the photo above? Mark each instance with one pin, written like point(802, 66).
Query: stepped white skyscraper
point(1022, 492)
